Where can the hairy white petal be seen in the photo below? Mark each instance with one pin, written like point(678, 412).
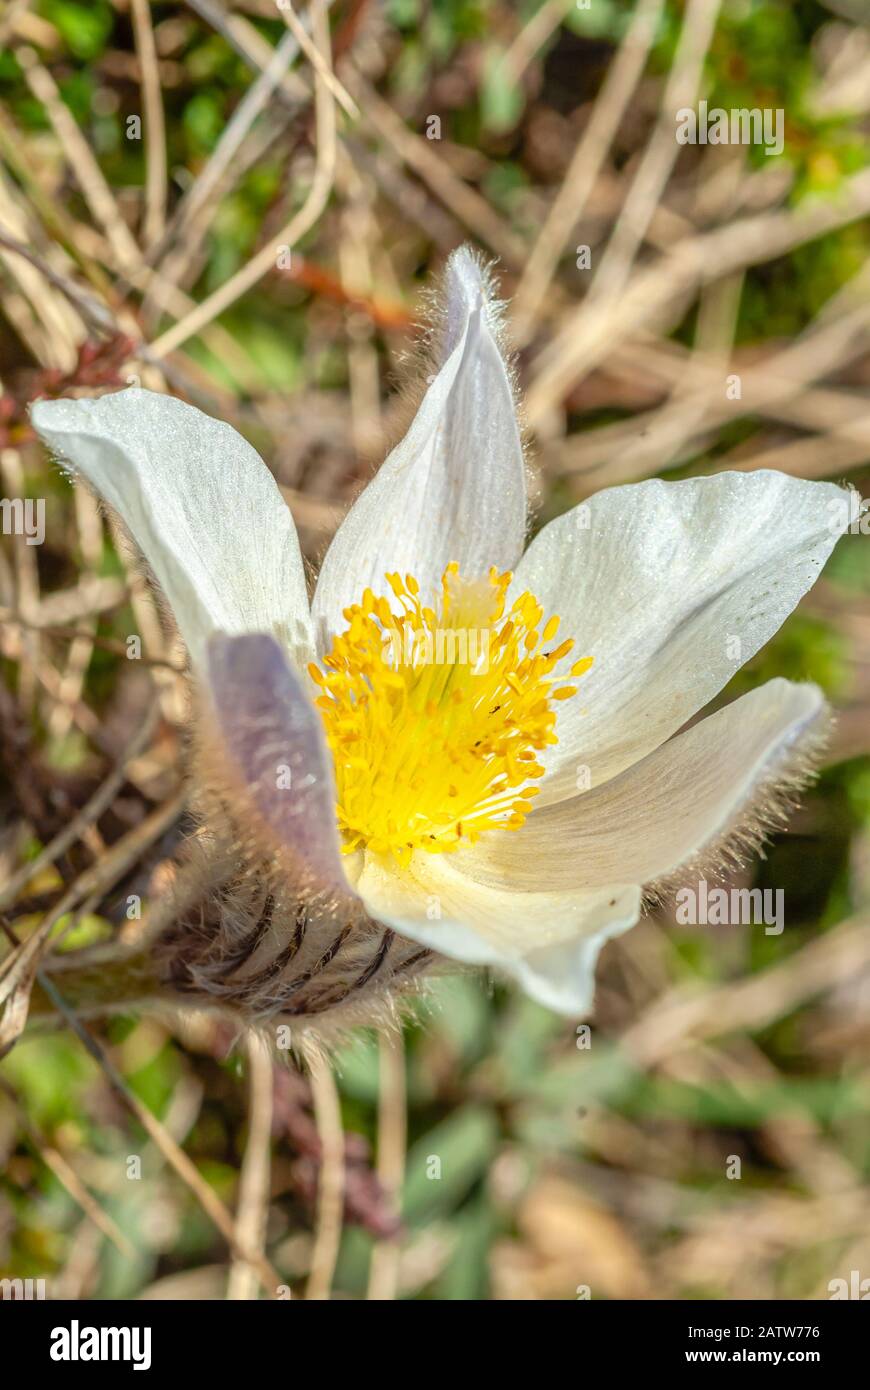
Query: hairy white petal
point(671, 587)
point(673, 808)
point(454, 488)
point(547, 941)
point(277, 749)
point(200, 504)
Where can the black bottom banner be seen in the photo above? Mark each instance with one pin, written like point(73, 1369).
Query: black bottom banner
point(68, 1339)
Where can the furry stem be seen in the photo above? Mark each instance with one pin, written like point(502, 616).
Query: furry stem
point(98, 981)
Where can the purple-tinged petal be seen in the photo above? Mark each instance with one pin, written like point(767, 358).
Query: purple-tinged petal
point(276, 744)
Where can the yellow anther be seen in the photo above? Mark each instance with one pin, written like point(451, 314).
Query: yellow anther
point(436, 717)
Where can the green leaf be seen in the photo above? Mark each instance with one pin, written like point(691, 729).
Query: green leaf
point(445, 1164)
point(501, 97)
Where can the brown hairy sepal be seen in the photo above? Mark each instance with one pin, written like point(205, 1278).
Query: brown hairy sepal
point(245, 934)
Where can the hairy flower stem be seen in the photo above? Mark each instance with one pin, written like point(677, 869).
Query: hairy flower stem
point(102, 980)
point(241, 934)
point(239, 939)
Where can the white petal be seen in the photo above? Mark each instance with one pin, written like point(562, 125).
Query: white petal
point(454, 489)
point(671, 809)
point(671, 587)
point(547, 942)
point(200, 504)
point(277, 749)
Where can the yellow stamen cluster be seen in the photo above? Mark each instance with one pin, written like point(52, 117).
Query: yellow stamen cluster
point(435, 719)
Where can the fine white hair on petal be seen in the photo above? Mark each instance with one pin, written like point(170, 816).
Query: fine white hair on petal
point(468, 283)
point(200, 504)
point(548, 942)
point(715, 784)
point(671, 587)
point(454, 488)
point(277, 749)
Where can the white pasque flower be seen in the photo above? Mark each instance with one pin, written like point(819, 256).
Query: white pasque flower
point(426, 745)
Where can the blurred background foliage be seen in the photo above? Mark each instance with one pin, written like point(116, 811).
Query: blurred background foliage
point(562, 1164)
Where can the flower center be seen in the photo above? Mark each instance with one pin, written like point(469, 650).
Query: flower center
point(435, 719)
